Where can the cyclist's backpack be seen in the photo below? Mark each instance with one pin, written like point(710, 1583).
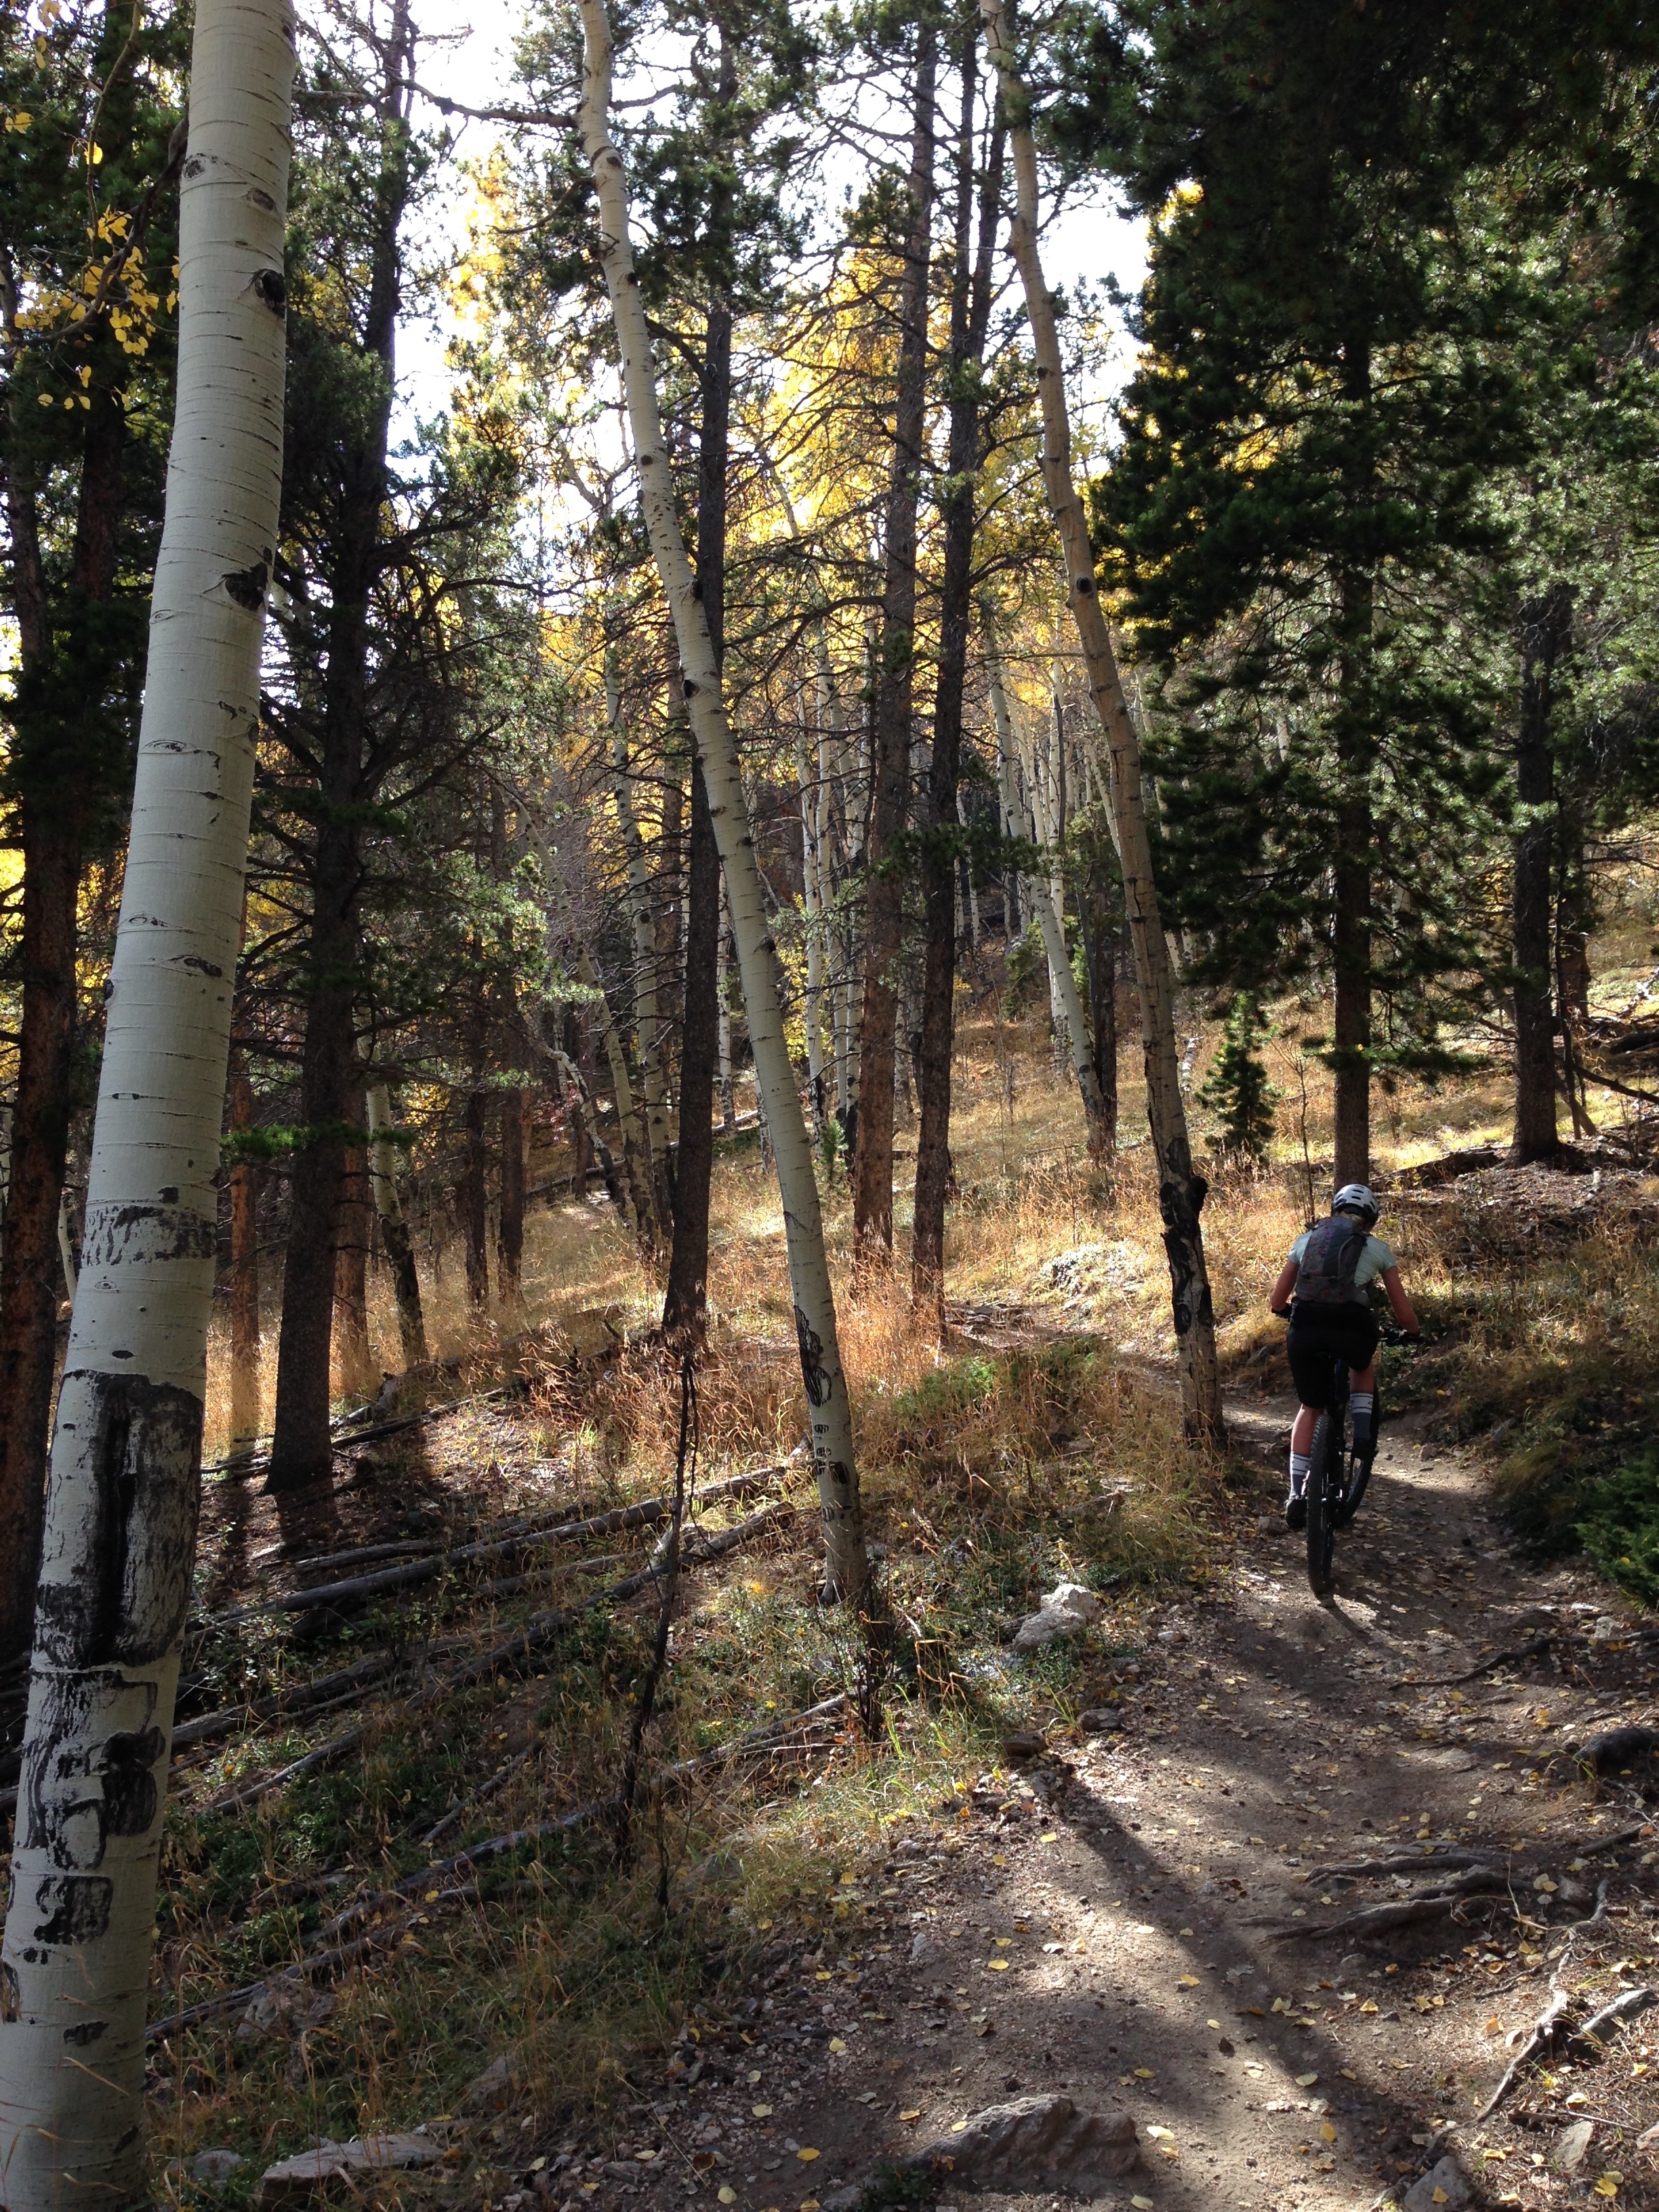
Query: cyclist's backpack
point(1326, 1274)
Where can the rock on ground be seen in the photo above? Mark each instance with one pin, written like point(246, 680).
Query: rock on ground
point(1033, 2143)
point(308, 2173)
point(1443, 2188)
point(1066, 1610)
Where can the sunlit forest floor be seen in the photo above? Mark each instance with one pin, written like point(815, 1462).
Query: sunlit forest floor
point(984, 1874)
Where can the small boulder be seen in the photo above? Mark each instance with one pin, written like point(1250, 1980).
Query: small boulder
point(1022, 1745)
point(1066, 1610)
point(1100, 1720)
point(1031, 2144)
point(1443, 2188)
point(309, 2172)
point(1572, 2147)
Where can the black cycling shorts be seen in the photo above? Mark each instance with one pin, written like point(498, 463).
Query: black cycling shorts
point(1319, 1337)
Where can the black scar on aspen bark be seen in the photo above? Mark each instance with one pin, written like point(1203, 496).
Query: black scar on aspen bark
point(11, 2002)
point(247, 587)
point(170, 1231)
point(123, 1598)
point(74, 1908)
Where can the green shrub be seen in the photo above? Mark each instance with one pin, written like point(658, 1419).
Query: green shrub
point(1621, 1526)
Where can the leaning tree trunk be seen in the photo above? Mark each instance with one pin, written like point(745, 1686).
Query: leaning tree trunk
point(394, 1228)
point(1181, 1191)
point(121, 1502)
point(847, 1564)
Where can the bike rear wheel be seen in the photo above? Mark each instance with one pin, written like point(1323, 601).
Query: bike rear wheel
point(1324, 1487)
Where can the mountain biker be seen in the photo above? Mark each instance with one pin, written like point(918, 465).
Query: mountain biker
point(1322, 1291)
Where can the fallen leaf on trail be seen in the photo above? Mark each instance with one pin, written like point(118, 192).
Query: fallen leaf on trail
point(1187, 1981)
point(1440, 2198)
point(762, 2112)
point(727, 2194)
point(1306, 2081)
point(1327, 2132)
point(1143, 2073)
point(1255, 1839)
point(1608, 2185)
point(1162, 2135)
point(957, 2126)
point(996, 1965)
point(1141, 2203)
point(754, 2075)
point(1369, 2006)
point(1051, 1837)
point(837, 2044)
point(1348, 2073)
point(1001, 1943)
point(822, 1977)
point(807, 2156)
point(1212, 2023)
point(916, 2115)
point(1184, 1931)
point(998, 1858)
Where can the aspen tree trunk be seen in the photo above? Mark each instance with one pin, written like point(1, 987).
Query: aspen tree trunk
point(1071, 1026)
point(973, 887)
point(245, 1347)
point(121, 1499)
point(1181, 1191)
point(394, 1228)
point(895, 690)
point(846, 1565)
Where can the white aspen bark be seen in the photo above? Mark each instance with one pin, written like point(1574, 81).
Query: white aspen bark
point(972, 889)
point(121, 1495)
point(66, 1241)
point(1181, 1193)
point(846, 1565)
point(1007, 785)
point(646, 1017)
point(1070, 1024)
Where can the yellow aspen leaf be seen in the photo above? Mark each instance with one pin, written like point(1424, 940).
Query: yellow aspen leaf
point(836, 2043)
point(907, 2116)
point(807, 2156)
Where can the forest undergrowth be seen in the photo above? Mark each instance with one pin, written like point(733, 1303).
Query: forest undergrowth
point(1039, 1442)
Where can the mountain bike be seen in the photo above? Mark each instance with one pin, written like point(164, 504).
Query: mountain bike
point(1337, 1473)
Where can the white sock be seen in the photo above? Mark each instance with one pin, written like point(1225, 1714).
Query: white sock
point(1301, 1465)
point(1361, 1401)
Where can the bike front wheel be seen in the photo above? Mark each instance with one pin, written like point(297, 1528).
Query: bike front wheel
point(1324, 1485)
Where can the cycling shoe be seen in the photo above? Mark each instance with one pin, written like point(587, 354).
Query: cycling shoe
point(1295, 1512)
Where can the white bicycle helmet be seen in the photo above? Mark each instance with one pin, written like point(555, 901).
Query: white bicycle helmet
point(1354, 1198)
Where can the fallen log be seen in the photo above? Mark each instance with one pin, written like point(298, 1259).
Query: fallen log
point(528, 1637)
point(643, 1515)
point(771, 1738)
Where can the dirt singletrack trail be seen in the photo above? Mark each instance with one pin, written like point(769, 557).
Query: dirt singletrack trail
point(1101, 1918)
